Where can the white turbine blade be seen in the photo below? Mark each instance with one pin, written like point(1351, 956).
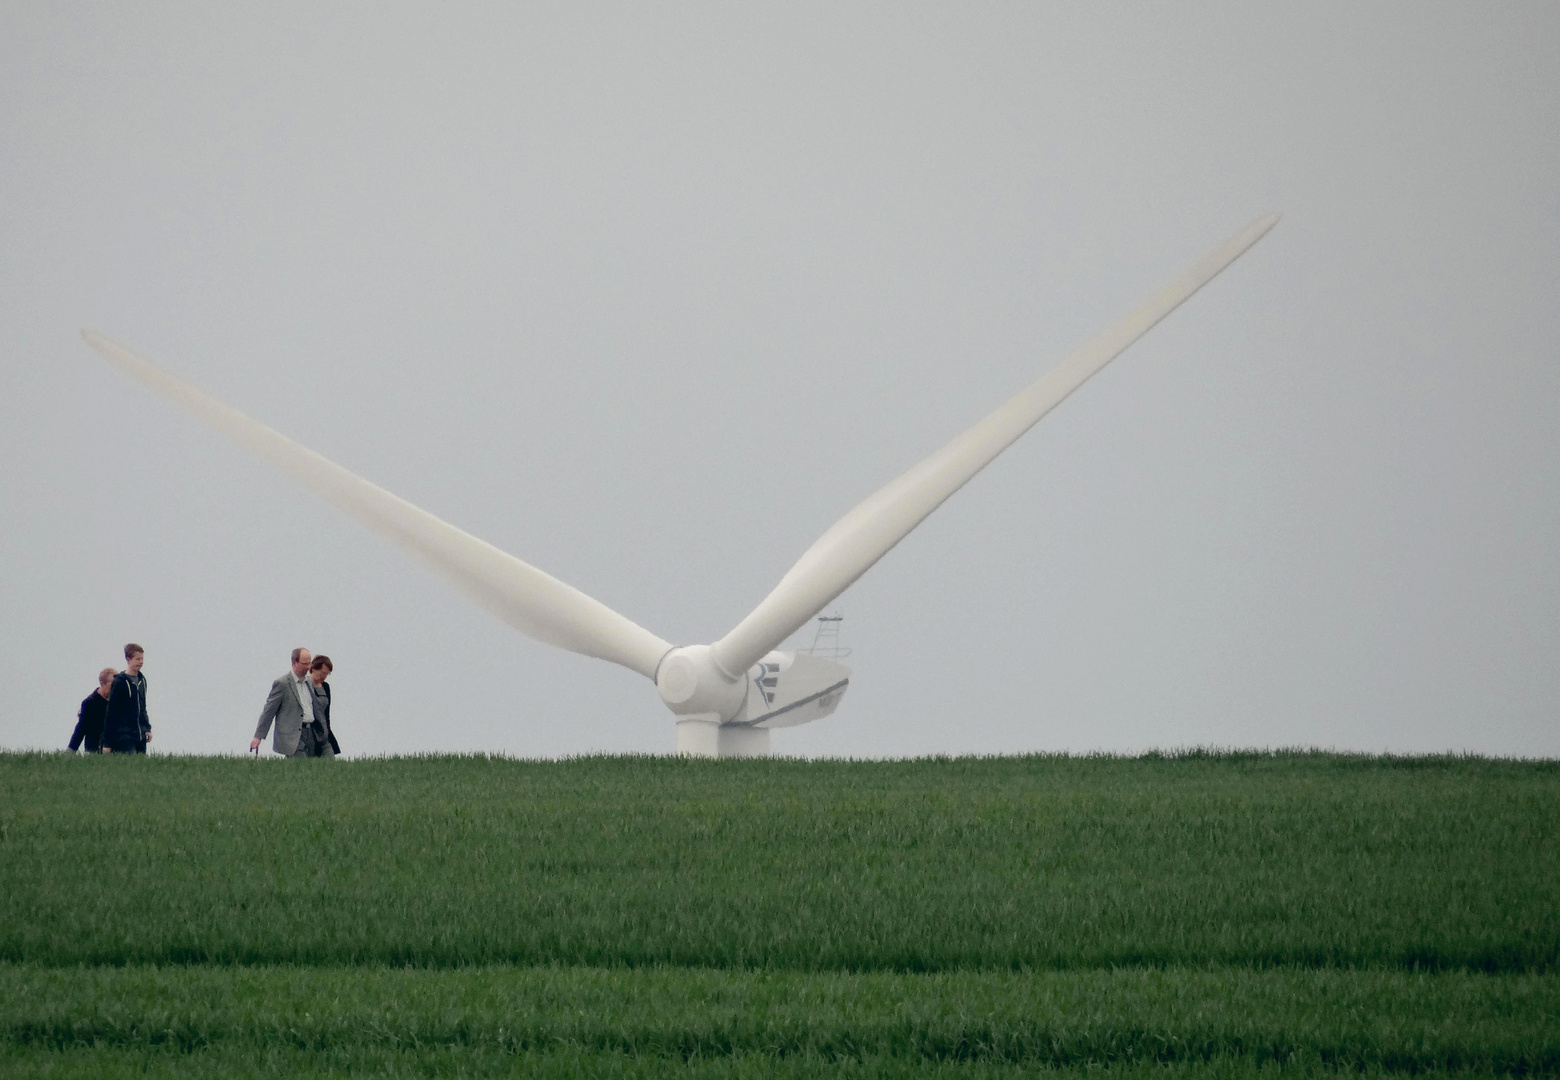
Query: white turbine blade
point(866, 534)
point(524, 597)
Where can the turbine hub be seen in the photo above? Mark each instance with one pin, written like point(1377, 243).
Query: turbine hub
point(690, 682)
point(678, 679)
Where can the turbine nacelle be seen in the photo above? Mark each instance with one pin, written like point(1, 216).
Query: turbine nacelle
point(721, 716)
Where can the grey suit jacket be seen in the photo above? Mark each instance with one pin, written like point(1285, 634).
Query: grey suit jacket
point(282, 705)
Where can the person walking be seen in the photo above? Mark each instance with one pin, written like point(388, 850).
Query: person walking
point(290, 705)
point(89, 718)
point(319, 671)
point(127, 727)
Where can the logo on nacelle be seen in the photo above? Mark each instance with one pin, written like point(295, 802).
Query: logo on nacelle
point(767, 678)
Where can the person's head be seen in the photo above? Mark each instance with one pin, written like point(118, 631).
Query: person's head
point(320, 669)
point(135, 656)
point(301, 661)
point(105, 680)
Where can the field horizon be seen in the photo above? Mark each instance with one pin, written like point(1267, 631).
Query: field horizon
point(1206, 909)
point(1188, 751)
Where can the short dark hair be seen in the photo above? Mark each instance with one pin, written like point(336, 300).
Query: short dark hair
point(322, 661)
point(299, 651)
point(131, 649)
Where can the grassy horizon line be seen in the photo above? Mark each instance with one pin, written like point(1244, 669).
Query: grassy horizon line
point(1195, 752)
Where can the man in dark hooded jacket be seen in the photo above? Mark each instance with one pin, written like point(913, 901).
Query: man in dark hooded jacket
point(127, 728)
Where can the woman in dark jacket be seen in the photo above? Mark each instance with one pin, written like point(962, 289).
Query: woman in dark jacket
point(318, 671)
point(89, 718)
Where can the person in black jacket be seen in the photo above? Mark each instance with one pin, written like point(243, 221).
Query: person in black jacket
point(319, 671)
point(127, 728)
point(89, 718)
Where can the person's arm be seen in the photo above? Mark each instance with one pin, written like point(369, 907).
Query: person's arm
point(146, 714)
point(330, 727)
point(273, 703)
point(118, 702)
point(93, 712)
point(76, 736)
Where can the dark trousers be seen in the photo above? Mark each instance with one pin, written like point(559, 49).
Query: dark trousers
point(126, 746)
point(309, 742)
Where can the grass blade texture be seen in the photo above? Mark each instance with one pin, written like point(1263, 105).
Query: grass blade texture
point(649, 916)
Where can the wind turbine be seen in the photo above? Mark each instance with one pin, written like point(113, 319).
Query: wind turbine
point(726, 696)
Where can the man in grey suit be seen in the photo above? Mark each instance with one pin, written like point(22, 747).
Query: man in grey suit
point(291, 705)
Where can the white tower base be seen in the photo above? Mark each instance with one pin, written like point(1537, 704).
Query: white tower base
point(744, 742)
point(702, 735)
point(699, 735)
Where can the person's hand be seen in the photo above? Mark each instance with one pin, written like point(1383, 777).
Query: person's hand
point(254, 744)
point(103, 750)
point(148, 736)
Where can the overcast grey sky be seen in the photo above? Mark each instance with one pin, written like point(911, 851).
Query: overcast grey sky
point(649, 295)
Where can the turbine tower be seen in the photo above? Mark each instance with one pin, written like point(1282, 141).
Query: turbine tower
point(726, 696)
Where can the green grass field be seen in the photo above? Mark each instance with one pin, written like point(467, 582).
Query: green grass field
point(647, 916)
